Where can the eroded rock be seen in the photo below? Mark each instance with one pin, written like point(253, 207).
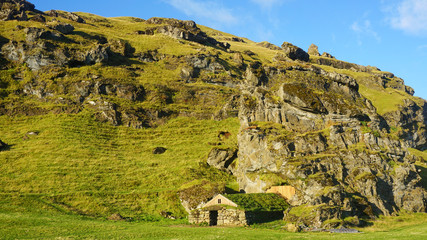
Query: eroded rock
point(159, 150)
point(186, 30)
point(15, 10)
point(67, 15)
point(295, 53)
point(222, 158)
point(313, 50)
point(63, 28)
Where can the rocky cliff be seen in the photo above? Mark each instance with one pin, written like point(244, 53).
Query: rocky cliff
point(307, 120)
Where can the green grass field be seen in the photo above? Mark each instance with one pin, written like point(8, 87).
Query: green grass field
point(51, 226)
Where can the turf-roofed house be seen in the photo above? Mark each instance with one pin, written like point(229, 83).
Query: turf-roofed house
point(240, 209)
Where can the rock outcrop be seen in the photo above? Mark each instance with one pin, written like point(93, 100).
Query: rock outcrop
point(313, 50)
point(295, 53)
point(412, 120)
point(336, 151)
point(15, 10)
point(222, 158)
point(186, 30)
point(67, 15)
point(268, 45)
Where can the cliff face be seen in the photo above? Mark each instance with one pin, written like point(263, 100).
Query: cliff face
point(320, 135)
point(309, 121)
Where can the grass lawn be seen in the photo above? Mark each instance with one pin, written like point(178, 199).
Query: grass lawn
point(54, 226)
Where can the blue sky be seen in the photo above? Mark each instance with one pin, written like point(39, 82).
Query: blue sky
point(389, 34)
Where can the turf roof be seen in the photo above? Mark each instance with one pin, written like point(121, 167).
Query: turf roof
point(259, 201)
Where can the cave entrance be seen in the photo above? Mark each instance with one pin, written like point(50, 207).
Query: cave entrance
point(213, 218)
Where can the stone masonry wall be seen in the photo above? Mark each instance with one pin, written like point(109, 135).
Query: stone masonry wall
point(198, 216)
point(232, 217)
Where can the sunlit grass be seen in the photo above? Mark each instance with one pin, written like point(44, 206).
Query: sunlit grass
point(97, 169)
point(58, 226)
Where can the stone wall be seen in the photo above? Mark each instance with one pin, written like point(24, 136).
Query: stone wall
point(230, 217)
point(233, 217)
point(198, 216)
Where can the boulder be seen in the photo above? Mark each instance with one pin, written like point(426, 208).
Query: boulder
point(295, 53)
point(116, 217)
point(33, 34)
point(121, 47)
point(38, 18)
point(222, 158)
point(106, 111)
point(255, 74)
point(236, 39)
point(67, 15)
point(159, 150)
point(313, 50)
point(291, 227)
point(98, 54)
point(268, 45)
point(63, 28)
point(238, 59)
point(327, 55)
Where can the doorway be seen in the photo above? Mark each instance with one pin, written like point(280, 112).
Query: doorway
point(213, 218)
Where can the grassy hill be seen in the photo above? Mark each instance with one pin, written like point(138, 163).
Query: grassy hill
point(79, 165)
point(66, 155)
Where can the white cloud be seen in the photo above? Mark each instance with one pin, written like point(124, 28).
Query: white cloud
point(268, 4)
point(364, 29)
point(410, 16)
point(205, 9)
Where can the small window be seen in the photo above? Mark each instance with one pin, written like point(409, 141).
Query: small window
point(219, 201)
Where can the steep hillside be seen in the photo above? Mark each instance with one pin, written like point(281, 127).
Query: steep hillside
point(131, 116)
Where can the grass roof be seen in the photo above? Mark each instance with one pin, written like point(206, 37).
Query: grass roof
point(259, 201)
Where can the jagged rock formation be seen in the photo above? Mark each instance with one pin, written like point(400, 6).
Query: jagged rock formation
point(15, 10)
point(67, 15)
point(222, 158)
point(313, 50)
point(268, 45)
point(186, 30)
point(412, 119)
point(293, 52)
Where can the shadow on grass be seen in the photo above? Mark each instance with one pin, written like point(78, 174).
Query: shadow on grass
point(5, 147)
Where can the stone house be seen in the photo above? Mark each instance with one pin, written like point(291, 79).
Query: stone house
point(240, 209)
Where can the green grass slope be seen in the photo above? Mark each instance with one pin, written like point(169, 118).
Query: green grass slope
point(82, 166)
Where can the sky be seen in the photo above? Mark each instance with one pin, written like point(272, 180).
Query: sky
point(388, 34)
